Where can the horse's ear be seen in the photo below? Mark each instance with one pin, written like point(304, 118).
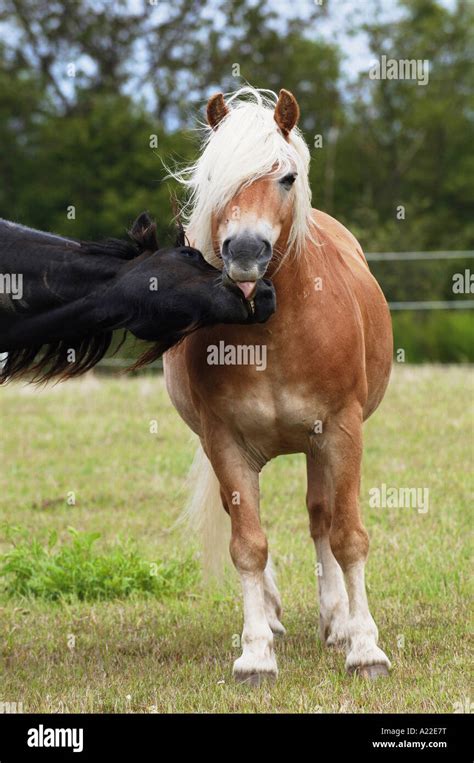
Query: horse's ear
point(181, 238)
point(216, 110)
point(287, 112)
point(143, 232)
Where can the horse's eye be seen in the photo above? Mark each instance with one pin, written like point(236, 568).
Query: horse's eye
point(188, 252)
point(288, 180)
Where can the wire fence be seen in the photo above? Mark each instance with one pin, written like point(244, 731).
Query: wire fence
point(453, 304)
point(389, 256)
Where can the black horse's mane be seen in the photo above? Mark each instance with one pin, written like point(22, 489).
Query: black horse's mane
point(145, 240)
point(54, 361)
point(111, 247)
point(46, 362)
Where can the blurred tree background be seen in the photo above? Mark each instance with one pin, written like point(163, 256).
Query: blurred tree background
point(96, 94)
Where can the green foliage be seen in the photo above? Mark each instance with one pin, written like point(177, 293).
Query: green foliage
point(76, 571)
point(87, 141)
point(444, 336)
point(409, 144)
point(99, 161)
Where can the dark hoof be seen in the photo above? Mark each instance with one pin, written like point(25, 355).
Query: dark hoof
point(370, 672)
point(254, 679)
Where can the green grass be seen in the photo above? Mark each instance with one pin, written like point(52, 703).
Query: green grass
point(82, 455)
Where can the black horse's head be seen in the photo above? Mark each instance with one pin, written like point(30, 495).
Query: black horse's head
point(170, 292)
point(78, 293)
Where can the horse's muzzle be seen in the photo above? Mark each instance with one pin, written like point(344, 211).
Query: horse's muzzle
point(246, 258)
point(264, 301)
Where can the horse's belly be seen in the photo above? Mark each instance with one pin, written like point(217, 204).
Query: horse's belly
point(179, 388)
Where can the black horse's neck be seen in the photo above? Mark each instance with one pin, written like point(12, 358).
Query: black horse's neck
point(41, 271)
point(52, 293)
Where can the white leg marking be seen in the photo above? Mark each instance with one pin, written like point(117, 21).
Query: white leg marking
point(258, 658)
point(272, 599)
point(333, 600)
point(363, 633)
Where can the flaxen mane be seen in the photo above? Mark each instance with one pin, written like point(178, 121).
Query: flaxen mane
point(247, 145)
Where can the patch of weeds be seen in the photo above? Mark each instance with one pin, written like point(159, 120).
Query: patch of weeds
point(77, 570)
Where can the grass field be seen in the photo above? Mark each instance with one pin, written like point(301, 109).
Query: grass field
point(82, 455)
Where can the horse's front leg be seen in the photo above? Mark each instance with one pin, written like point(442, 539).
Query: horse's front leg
point(271, 594)
point(249, 552)
point(350, 544)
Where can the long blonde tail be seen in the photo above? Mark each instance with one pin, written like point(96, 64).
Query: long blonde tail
point(205, 516)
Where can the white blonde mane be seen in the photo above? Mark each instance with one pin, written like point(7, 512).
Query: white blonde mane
point(247, 145)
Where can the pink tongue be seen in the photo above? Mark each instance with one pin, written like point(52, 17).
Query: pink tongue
point(247, 287)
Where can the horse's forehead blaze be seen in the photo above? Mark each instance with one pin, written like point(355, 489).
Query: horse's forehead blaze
point(261, 197)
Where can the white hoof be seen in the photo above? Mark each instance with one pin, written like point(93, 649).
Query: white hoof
point(256, 664)
point(254, 676)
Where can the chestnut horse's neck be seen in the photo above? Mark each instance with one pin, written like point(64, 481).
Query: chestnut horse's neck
point(332, 255)
point(293, 273)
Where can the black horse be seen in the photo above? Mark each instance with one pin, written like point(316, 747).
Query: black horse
point(61, 299)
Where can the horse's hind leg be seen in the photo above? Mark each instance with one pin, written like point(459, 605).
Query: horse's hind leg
point(249, 552)
point(333, 601)
point(272, 598)
point(349, 541)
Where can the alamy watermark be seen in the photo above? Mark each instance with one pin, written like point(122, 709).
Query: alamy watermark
point(223, 354)
point(402, 69)
point(12, 284)
point(385, 497)
point(463, 283)
point(51, 737)
point(9, 708)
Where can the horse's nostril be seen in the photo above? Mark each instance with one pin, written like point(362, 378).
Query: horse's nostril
point(265, 249)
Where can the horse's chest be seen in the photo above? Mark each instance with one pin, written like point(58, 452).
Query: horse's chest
point(274, 420)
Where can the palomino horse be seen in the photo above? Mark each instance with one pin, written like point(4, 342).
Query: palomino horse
point(71, 295)
point(329, 351)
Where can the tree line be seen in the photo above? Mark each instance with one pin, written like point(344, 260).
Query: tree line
point(94, 95)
